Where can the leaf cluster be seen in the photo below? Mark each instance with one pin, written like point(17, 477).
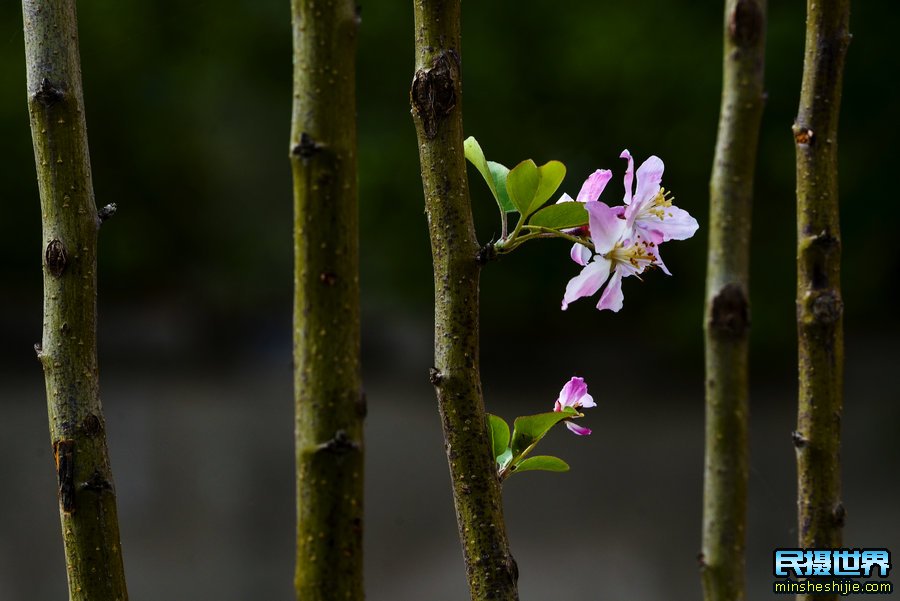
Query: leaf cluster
point(511, 451)
point(524, 190)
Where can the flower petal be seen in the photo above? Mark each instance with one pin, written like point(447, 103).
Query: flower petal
point(629, 174)
point(649, 176)
point(606, 227)
point(593, 186)
point(580, 253)
point(648, 229)
point(631, 214)
point(572, 392)
point(612, 297)
point(658, 261)
point(576, 429)
point(676, 225)
point(587, 282)
point(565, 198)
point(587, 400)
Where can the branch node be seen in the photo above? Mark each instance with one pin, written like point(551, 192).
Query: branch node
point(307, 148)
point(433, 92)
point(48, 94)
point(826, 307)
point(339, 444)
point(839, 515)
point(803, 136)
point(486, 254)
point(91, 425)
point(512, 567)
point(362, 404)
point(56, 257)
point(106, 212)
point(729, 313)
point(745, 23)
point(96, 483)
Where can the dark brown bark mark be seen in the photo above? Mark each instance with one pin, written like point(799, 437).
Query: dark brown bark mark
point(433, 94)
point(91, 425)
point(839, 515)
point(97, 482)
point(827, 307)
point(803, 135)
point(64, 456)
point(48, 94)
point(730, 311)
point(362, 404)
point(340, 444)
point(745, 24)
point(307, 148)
point(56, 258)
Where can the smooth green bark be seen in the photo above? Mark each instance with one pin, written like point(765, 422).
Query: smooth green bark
point(329, 403)
point(726, 322)
point(68, 349)
point(436, 107)
point(819, 304)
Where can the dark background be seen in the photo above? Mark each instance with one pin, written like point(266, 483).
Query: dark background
point(188, 108)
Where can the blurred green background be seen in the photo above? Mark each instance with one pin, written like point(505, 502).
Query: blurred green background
point(188, 109)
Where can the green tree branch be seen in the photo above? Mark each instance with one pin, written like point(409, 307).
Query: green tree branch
point(68, 349)
point(436, 107)
point(726, 321)
point(329, 401)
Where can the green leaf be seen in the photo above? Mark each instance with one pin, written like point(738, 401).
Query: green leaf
point(530, 186)
point(552, 175)
point(561, 216)
point(505, 458)
point(499, 434)
point(522, 184)
point(529, 429)
point(493, 173)
point(547, 463)
point(499, 173)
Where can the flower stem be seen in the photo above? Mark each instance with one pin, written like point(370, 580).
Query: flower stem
point(726, 321)
point(68, 349)
point(436, 103)
point(819, 302)
point(507, 246)
point(329, 405)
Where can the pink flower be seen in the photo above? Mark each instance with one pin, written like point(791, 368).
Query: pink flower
point(626, 238)
point(649, 210)
point(619, 254)
point(574, 394)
